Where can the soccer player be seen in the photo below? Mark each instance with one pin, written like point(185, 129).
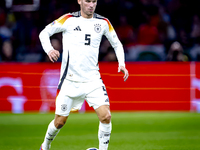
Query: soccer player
point(80, 79)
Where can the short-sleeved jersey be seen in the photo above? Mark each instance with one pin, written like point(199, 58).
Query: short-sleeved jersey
point(81, 39)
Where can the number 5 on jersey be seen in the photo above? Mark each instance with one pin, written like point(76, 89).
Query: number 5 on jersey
point(87, 39)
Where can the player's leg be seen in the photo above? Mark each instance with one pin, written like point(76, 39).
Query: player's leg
point(97, 98)
point(52, 130)
point(64, 104)
point(105, 126)
point(104, 114)
point(63, 107)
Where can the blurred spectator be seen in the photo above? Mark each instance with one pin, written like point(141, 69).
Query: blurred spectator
point(148, 33)
point(176, 53)
point(195, 50)
point(2, 16)
point(195, 28)
point(5, 32)
point(125, 32)
point(23, 31)
point(7, 53)
point(26, 41)
point(195, 35)
point(165, 28)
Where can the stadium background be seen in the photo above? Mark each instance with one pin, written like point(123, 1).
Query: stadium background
point(162, 77)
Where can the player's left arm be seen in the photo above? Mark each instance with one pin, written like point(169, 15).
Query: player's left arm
point(119, 51)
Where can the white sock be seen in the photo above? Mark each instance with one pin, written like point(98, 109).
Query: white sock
point(104, 135)
point(51, 133)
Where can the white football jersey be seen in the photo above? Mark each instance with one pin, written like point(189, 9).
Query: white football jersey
point(81, 40)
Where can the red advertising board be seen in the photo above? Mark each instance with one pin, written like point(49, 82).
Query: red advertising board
point(152, 86)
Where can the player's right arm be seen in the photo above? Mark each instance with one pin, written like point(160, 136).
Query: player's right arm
point(54, 27)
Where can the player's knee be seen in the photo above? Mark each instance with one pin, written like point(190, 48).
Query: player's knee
point(106, 118)
point(60, 121)
point(59, 124)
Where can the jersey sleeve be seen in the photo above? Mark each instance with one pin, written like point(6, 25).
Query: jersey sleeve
point(115, 42)
point(54, 27)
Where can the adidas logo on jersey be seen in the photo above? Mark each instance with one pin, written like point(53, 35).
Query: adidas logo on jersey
point(77, 29)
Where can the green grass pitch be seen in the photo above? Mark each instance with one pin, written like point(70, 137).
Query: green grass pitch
point(131, 131)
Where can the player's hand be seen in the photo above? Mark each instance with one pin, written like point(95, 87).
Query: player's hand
point(124, 71)
point(54, 55)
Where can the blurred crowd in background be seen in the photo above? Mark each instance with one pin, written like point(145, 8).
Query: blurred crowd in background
point(150, 30)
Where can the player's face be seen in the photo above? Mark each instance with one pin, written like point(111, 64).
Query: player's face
point(87, 7)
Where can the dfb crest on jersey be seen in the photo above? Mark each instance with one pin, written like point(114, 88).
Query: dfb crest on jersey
point(97, 28)
point(63, 107)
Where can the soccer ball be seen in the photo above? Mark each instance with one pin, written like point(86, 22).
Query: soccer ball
point(92, 149)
